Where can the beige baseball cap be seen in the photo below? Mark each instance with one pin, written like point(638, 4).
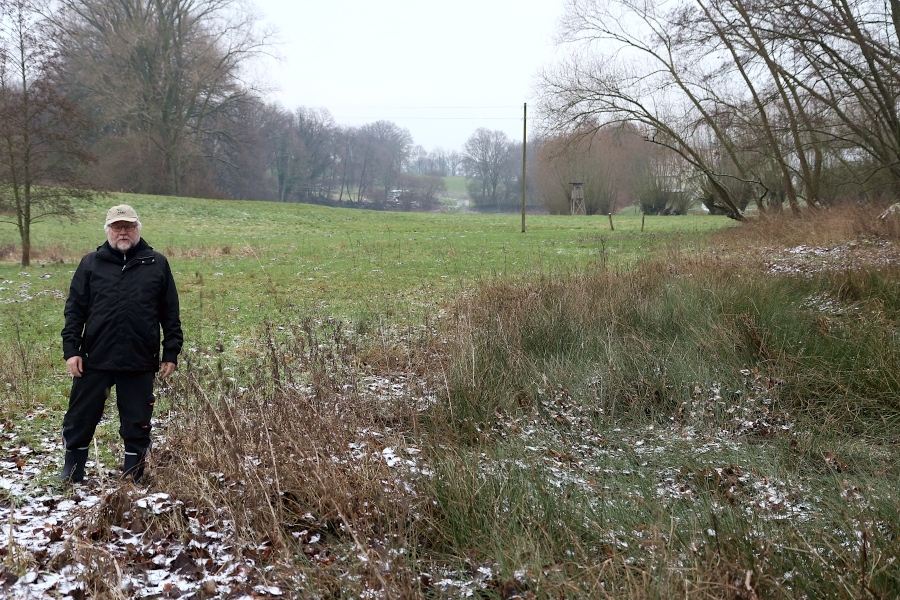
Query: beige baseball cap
point(122, 212)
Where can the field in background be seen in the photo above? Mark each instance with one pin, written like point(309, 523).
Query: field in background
point(236, 262)
point(456, 187)
point(436, 406)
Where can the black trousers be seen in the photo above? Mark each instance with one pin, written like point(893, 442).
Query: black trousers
point(134, 398)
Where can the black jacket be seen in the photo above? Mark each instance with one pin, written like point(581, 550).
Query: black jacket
point(116, 306)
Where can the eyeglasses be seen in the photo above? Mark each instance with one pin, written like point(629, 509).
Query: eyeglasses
point(126, 227)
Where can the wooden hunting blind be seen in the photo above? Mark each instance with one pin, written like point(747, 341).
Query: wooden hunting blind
point(578, 199)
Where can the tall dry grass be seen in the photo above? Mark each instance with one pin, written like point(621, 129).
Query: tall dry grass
point(287, 448)
point(835, 225)
point(642, 340)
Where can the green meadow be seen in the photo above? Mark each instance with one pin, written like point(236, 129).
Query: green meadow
point(456, 187)
point(239, 263)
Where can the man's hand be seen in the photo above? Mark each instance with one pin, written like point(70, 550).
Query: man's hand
point(74, 366)
point(166, 369)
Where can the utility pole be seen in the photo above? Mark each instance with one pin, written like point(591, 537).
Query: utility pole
point(524, 137)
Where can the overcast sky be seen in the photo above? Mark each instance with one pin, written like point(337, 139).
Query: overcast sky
point(439, 69)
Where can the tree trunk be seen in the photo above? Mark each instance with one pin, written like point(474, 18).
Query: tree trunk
point(26, 244)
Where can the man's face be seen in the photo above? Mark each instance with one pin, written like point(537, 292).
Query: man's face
point(122, 235)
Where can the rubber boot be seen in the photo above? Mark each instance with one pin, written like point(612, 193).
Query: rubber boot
point(73, 470)
point(133, 468)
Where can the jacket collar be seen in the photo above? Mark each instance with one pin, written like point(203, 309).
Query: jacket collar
point(108, 252)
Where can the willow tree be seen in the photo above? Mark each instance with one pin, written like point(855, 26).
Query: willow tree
point(607, 162)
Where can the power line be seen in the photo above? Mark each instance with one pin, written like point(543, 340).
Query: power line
point(481, 118)
point(422, 107)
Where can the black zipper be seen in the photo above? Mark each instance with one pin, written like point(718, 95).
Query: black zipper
point(139, 259)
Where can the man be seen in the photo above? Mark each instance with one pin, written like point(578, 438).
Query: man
point(119, 298)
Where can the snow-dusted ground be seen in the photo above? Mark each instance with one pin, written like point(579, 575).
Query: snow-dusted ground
point(56, 534)
point(50, 528)
point(805, 260)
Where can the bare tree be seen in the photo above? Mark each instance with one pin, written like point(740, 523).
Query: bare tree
point(419, 162)
point(368, 160)
point(161, 69)
point(284, 149)
point(454, 162)
point(316, 129)
point(486, 158)
point(420, 192)
point(378, 152)
point(778, 99)
point(42, 133)
point(240, 167)
point(345, 161)
point(844, 59)
point(392, 145)
point(299, 150)
point(653, 76)
point(437, 159)
point(365, 150)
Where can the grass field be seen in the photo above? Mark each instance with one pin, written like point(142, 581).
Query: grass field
point(237, 262)
point(456, 187)
point(435, 406)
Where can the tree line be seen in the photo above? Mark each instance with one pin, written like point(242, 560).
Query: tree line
point(154, 96)
point(157, 100)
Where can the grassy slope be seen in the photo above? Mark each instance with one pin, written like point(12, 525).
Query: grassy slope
point(456, 187)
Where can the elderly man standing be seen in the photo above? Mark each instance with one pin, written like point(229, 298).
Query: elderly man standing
point(120, 297)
